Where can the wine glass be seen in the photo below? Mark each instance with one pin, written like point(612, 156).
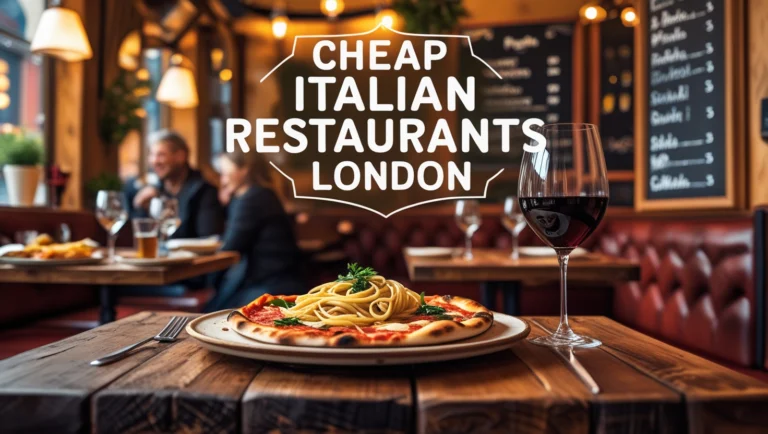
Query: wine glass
point(512, 219)
point(563, 193)
point(165, 210)
point(112, 215)
point(468, 220)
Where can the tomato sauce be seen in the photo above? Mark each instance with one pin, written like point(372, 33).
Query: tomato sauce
point(263, 314)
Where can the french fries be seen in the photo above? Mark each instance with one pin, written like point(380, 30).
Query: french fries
point(43, 247)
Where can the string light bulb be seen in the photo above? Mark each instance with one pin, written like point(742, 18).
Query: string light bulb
point(629, 17)
point(386, 17)
point(332, 8)
point(279, 26)
point(593, 13)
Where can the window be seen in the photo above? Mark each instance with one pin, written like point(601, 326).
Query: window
point(21, 76)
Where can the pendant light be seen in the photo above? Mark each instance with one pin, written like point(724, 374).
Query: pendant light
point(61, 34)
point(279, 20)
point(177, 87)
point(332, 8)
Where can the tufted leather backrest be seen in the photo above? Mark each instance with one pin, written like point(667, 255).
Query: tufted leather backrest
point(697, 282)
point(697, 279)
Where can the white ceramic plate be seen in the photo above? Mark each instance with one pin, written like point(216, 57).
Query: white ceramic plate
point(541, 251)
point(201, 246)
point(96, 258)
point(173, 258)
point(430, 252)
point(213, 332)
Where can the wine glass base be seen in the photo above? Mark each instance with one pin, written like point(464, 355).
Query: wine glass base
point(571, 340)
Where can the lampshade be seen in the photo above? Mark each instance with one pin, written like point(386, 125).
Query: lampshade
point(61, 34)
point(177, 88)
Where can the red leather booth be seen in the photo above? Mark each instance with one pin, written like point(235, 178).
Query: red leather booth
point(697, 287)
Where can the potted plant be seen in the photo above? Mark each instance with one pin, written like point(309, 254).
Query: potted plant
point(21, 156)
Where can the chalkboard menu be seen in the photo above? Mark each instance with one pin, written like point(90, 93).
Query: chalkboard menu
point(536, 66)
point(616, 119)
point(685, 154)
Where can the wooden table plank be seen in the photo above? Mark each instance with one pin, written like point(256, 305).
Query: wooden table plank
point(282, 399)
point(717, 399)
point(496, 394)
point(48, 389)
point(491, 265)
point(629, 400)
point(184, 389)
point(118, 274)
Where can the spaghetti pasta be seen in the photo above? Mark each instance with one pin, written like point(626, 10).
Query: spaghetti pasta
point(335, 303)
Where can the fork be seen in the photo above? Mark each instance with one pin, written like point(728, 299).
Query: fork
point(168, 334)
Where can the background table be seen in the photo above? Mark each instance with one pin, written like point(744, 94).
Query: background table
point(499, 273)
point(647, 386)
point(107, 276)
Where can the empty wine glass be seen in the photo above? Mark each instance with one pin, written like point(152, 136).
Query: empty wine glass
point(165, 210)
point(112, 215)
point(468, 220)
point(512, 218)
point(563, 191)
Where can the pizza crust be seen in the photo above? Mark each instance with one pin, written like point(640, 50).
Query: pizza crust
point(436, 332)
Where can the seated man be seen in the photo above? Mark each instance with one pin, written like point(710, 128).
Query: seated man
point(200, 212)
point(199, 209)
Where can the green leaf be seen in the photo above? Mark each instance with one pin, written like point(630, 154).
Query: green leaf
point(358, 275)
point(428, 309)
point(289, 321)
point(281, 303)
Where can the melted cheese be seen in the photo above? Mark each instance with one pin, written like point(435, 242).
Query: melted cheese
point(394, 327)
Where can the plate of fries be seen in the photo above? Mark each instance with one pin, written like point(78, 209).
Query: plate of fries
point(44, 251)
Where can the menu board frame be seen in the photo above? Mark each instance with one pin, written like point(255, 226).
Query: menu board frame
point(578, 57)
point(735, 122)
point(595, 103)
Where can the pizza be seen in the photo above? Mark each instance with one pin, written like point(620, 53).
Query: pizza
point(360, 309)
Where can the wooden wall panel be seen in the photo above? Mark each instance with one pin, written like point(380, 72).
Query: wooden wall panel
point(757, 82)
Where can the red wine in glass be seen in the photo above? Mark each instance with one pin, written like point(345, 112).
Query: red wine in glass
point(563, 191)
point(564, 222)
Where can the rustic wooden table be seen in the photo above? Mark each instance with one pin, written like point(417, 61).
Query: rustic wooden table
point(647, 386)
point(499, 273)
point(109, 276)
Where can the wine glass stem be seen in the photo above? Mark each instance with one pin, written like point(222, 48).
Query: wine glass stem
point(111, 246)
point(468, 245)
point(563, 328)
point(515, 246)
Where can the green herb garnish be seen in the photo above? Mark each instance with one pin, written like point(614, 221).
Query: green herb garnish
point(359, 275)
point(428, 309)
point(281, 303)
point(287, 321)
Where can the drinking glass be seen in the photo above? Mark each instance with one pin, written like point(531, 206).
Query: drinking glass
point(145, 234)
point(166, 211)
point(468, 220)
point(512, 218)
point(563, 193)
point(112, 215)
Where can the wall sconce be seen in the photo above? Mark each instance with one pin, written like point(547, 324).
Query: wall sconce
point(177, 87)
point(593, 13)
point(629, 17)
point(61, 34)
point(332, 8)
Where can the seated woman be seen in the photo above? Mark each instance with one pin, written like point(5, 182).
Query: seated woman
point(259, 229)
